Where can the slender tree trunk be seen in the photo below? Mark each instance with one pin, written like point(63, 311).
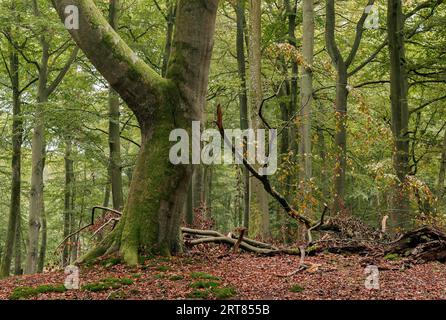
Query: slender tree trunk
point(171, 8)
point(68, 201)
point(18, 248)
point(259, 195)
point(243, 101)
point(442, 172)
point(114, 136)
point(400, 213)
point(306, 91)
point(17, 132)
point(291, 9)
point(38, 142)
point(340, 138)
point(36, 205)
point(43, 242)
point(190, 206)
point(197, 186)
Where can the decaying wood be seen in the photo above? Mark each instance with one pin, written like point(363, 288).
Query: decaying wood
point(249, 245)
point(421, 245)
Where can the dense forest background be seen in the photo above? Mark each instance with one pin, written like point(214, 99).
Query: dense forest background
point(55, 104)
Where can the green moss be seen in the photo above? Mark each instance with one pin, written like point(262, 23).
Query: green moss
point(28, 292)
point(392, 257)
point(111, 262)
point(159, 276)
point(224, 293)
point(118, 295)
point(199, 294)
point(204, 284)
point(203, 275)
point(176, 278)
point(163, 268)
point(136, 275)
point(296, 288)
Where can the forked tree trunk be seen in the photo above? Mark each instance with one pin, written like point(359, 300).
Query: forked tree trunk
point(153, 211)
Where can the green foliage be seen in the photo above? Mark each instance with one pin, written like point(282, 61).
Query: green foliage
point(20, 293)
point(176, 278)
point(296, 288)
point(392, 257)
point(203, 275)
point(224, 293)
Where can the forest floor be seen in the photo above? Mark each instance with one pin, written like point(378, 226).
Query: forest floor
point(214, 272)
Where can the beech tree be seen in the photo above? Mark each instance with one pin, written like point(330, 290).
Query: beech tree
point(158, 190)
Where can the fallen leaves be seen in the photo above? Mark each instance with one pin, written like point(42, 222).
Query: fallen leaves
point(247, 276)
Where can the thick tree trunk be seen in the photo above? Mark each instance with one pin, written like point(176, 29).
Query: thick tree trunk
point(153, 211)
point(259, 195)
point(243, 100)
point(400, 213)
point(17, 132)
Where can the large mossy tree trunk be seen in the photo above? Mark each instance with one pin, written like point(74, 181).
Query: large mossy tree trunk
point(153, 211)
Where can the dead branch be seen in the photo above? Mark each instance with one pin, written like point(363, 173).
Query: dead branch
point(93, 211)
point(262, 178)
point(210, 236)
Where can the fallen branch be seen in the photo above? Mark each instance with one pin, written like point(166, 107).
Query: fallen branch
point(210, 236)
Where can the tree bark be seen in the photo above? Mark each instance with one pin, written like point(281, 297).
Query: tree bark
point(36, 204)
point(17, 133)
point(68, 201)
point(306, 91)
point(153, 211)
point(400, 213)
point(243, 101)
point(341, 65)
point(114, 135)
point(442, 171)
